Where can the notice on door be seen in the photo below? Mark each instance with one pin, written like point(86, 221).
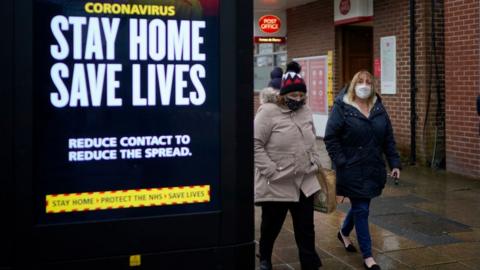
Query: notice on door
point(126, 109)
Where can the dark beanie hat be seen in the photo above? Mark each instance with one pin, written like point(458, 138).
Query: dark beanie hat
point(276, 78)
point(275, 83)
point(291, 80)
point(276, 72)
point(294, 67)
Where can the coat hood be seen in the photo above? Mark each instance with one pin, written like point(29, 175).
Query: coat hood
point(341, 94)
point(268, 95)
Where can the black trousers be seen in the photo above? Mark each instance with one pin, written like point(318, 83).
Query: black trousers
point(273, 216)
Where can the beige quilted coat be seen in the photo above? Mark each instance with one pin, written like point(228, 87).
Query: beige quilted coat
point(286, 155)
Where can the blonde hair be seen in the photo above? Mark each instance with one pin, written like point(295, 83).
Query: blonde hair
point(351, 88)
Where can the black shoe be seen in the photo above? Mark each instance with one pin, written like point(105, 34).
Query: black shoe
point(265, 265)
point(374, 267)
point(315, 266)
point(312, 268)
point(350, 247)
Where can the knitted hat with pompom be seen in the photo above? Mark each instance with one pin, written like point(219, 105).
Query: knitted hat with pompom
point(292, 81)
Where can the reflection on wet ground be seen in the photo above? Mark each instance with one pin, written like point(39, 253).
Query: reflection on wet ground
point(431, 220)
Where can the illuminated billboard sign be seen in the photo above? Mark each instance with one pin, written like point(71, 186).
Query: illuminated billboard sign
point(126, 98)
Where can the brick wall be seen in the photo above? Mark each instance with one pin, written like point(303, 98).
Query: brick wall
point(391, 18)
point(462, 75)
point(310, 31)
point(447, 124)
point(434, 127)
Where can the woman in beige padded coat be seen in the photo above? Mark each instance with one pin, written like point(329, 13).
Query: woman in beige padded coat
point(286, 161)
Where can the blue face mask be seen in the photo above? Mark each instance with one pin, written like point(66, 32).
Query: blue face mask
point(293, 104)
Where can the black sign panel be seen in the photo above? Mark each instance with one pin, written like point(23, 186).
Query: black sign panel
point(126, 105)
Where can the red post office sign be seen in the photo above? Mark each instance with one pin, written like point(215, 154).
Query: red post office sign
point(269, 24)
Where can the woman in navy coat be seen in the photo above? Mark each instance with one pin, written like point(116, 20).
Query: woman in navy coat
point(358, 135)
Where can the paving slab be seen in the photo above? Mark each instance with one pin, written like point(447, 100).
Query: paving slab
point(420, 257)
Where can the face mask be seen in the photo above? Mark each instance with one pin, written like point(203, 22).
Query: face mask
point(363, 90)
point(294, 104)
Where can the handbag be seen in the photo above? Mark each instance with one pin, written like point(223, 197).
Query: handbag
point(325, 200)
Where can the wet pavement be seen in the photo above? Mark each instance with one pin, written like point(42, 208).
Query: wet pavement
point(430, 220)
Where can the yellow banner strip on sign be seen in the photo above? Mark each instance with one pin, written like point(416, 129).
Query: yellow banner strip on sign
point(330, 79)
point(104, 200)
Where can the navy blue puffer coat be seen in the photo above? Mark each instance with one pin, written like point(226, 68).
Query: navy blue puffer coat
point(356, 144)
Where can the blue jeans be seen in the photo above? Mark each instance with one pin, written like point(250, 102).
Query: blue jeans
point(358, 217)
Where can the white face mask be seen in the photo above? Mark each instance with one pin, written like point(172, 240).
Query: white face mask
point(363, 90)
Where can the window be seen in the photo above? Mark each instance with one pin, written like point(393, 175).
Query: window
point(267, 56)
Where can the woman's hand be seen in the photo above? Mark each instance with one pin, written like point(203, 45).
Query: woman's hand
point(395, 173)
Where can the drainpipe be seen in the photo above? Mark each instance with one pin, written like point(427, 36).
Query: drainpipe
point(413, 86)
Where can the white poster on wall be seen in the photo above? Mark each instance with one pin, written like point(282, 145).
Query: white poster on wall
point(388, 58)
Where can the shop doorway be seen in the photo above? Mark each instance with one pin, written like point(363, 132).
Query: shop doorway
point(357, 50)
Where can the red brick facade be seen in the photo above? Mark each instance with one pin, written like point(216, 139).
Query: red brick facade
point(447, 131)
point(310, 31)
point(462, 75)
point(391, 19)
point(447, 128)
